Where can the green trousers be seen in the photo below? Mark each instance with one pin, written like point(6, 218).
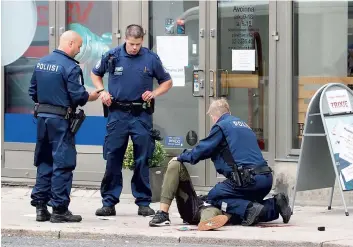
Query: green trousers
point(177, 184)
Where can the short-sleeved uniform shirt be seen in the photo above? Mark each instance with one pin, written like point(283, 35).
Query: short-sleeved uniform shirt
point(57, 80)
point(132, 75)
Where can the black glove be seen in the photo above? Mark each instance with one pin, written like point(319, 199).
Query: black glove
point(156, 135)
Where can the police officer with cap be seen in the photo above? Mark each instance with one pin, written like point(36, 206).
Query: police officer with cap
point(130, 99)
point(57, 89)
point(233, 148)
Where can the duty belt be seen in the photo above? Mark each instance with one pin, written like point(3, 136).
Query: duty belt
point(76, 119)
point(135, 107)
point(258, 170)
point(52, 109)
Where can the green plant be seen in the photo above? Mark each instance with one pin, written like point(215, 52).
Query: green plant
point(159, 155)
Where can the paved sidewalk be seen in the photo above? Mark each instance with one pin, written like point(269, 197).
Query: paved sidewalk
point(18, 218)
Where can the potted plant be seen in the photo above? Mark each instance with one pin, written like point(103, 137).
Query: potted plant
point(157, 167)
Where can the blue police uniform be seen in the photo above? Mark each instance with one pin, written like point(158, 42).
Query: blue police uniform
point(56, 81)
point(231, 132)
point(129, 77)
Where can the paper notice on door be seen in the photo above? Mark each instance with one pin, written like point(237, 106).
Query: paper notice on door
point(178, 76)
point(243, 60)
point(338, 101)
point(174, 54)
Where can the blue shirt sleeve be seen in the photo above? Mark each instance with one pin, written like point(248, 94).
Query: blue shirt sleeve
point(205, 148)
point(33, 88)
point(100, 68)
point(159, 71)
point(78, 93)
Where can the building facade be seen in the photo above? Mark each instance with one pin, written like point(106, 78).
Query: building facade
point(266, 57)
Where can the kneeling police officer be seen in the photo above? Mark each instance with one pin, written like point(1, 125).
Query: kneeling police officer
point(233, 148)
point(130, 103)
point(57, 90)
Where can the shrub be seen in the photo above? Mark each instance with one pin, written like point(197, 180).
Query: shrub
point(159, 155)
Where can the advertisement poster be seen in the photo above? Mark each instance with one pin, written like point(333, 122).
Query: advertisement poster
point(340, 130)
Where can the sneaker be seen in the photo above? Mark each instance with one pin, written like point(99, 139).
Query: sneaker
point(252, 214)
point(282, 203)
point(160, 219)
point(61, 217)
point(106, 211)
point(145, 211)
point(213, 223)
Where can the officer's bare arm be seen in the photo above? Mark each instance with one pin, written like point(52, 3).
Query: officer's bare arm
point(97, 81)
point(163, 88)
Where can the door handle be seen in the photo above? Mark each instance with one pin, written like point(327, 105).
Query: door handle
point(227, 83)
point(197, 83)
point(212, 83)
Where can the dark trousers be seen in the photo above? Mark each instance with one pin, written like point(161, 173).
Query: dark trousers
point(55, 159)
point(235, 200)
point(120, 126)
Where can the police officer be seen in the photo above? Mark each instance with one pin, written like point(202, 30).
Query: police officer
point(130, 98)
point(56, 87)
point(234, 150)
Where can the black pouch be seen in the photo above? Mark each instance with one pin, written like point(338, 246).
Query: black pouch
point(247, 177)
point(149, 107)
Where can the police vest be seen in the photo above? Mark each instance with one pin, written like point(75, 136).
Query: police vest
point(241, 141)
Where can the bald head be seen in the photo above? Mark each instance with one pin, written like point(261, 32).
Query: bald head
point(70, 42)
point(218, 108)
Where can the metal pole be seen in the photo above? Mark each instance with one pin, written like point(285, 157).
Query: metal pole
point(331, 197)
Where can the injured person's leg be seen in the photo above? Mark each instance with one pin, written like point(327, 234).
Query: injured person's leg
point(177, 184)
point(212, 218)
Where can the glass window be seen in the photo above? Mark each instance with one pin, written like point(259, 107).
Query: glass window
point(322, 53)
point(18, 74)
point(174, 36)
point(242, 62)
point(85, 18)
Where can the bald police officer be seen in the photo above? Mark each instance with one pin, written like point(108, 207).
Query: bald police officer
point(130, 99)
point(56, 87)
point(234, 150)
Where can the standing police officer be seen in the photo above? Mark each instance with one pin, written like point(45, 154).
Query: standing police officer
point(56, 87)
point(130, 99)
point(234, 150)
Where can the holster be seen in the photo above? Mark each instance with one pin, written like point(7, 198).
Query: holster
point(76, 121)
point(105, 110)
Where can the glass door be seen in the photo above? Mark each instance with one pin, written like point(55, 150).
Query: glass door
point(177, 33)
point(239, 56)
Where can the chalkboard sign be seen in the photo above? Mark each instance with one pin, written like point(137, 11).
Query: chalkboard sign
point(327, 147)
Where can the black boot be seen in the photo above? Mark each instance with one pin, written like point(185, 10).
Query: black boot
point(145, 211)
point(282, 204)
point(252, 214)
point(106, 211)
point(42, 212)
point(61, 216)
